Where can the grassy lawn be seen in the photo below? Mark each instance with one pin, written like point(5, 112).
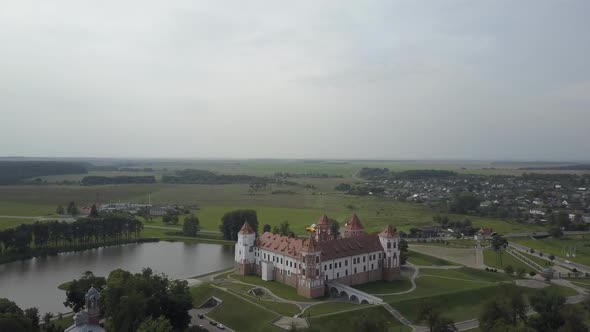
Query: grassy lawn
point(428, 286)
point(32, 208)
point(345, 322)
point(417, 258)
point(535, 258)
point(384, 287)
point(234, 312)
point(281, 290)
point(285, 309)
point(491, 260)
point(13, 222)
point(558, 247)
point(459, 306)
point(469, 274)
point(585, 283)
point(330, 307)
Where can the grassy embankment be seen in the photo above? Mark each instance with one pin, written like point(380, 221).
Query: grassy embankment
point(502, 260)
point(560, 247)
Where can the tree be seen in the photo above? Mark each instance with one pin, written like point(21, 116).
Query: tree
point(463, 202)
point(547, 306)
point(190, 227)
point(170, 218)
point(12, 318)
point(266, 228)
point(60, 210)
point(47, 317)
point(499, 243)
point(129, 299)
point(507, 308)
point(72, 208)
point(428, 313)
point(161, 324)
point(574, 320)
point(33, 315)
point(551, 257)
point(77, 289)
point(285, 229)
point(403, 251)
point(232, 222)
point(556, 232)
point(93, 211)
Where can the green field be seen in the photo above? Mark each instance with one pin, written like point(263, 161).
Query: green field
point(345, 322)
point(502, 260)
point(559, 247)
point(235, 312)
point(385, 287)
point(421, 259)
point(330, 307)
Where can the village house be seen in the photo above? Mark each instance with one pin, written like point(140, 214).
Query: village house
point(306, 264)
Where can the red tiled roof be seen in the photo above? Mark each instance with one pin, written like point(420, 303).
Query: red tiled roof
point(389, 231)
point(351, 246)
point(324, 220)
point(246, 229)
point(354, 223)
point(280, 244)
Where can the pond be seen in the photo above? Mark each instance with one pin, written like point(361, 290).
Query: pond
point(33, 282)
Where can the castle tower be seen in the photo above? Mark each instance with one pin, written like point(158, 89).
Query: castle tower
point(390, 242)
point(353, 227)
point(92, 299)
point(245, 259)
point(311, 283)
point(324, 229)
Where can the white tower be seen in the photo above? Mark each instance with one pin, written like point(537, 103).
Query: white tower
point(390, 242)
point(245, 258)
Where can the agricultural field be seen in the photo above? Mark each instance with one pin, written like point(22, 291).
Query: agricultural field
point(560, 247)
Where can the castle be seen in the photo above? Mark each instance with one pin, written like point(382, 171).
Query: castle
point(306, 264)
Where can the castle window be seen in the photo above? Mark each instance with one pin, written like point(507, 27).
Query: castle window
point(372, 266)
point(388, 245)
point(251, 249)
point(326, 277)
point(338, 275)
point(370, 258)
point(346, 262)
point(340, 264)
point(394, 243)
point(281, 261)
point(346, 272)
point(364, 269)
point(303, 272)
point(379, 255)
point(330, 266)
point(355, 270)
point(325, 267)
point(364, 259)
point(317, 259)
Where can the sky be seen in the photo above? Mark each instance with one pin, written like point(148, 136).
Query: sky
point(494, 80)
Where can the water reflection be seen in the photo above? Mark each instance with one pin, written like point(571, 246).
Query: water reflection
point(34, 282)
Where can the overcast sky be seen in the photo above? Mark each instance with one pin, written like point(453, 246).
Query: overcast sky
point(296, 79)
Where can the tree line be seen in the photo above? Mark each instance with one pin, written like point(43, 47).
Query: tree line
point(13, 172)
point(50, 237)
point(103, 180)
point(196, 176)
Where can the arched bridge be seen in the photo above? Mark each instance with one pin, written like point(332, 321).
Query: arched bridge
point(353, 294)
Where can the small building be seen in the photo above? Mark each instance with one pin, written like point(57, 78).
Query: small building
point(157, 211)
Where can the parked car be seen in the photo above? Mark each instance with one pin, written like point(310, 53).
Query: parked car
point(200, 316)
point(220, 326)
point(214, 323)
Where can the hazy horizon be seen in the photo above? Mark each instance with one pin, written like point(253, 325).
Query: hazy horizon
point(373, 80)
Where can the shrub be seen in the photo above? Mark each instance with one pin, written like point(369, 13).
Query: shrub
point(532, 273)
point(509, 269)
point(540, 254)
point(532, 251)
